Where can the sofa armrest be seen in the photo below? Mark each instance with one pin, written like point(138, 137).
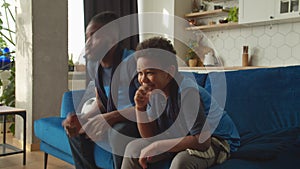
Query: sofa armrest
point(70, 102)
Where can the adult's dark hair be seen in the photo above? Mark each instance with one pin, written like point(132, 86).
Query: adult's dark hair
point(104, 17)
point(107, 17)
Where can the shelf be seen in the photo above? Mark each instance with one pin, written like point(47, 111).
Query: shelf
point(7, 149)
point(209, 14)
point(212, 13)
point(215, 27)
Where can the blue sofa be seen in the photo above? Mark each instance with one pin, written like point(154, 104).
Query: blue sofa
point(264, 104)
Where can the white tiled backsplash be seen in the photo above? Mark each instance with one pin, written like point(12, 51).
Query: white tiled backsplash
point(270, 45)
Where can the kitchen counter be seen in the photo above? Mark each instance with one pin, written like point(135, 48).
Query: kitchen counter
point(217, 69)
point(76, 80)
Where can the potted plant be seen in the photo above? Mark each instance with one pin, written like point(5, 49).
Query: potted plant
point(233, 14)
point(7, 41)
point(191, 56)
point(71, 63)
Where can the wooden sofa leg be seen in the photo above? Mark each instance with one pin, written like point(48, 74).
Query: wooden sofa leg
point(45, 160)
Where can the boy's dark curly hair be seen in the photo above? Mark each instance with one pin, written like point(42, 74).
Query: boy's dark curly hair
point(166, 57)
point(156, 42)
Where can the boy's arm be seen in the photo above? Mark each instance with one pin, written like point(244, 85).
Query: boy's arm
point(146, 126)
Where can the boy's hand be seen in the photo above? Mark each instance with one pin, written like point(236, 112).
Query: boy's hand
point(141, 98)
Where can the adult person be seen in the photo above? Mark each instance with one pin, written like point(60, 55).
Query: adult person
point(171, 111)
point(100, 117)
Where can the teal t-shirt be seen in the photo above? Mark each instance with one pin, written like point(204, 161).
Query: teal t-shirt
point(125, 69)
point(215, 114)
point(192, 122)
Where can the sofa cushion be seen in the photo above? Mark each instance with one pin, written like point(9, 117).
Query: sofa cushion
point(260, 100)
point(268, 146)
point(288, 158)
point(50, 130)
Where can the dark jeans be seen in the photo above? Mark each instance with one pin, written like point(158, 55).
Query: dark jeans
point(83, 152)
point(118, 138)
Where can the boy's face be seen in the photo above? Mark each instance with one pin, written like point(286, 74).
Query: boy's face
point(151, 74)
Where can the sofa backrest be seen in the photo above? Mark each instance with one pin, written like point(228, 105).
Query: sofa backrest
point(70, 101)
point(261, 100)
point(200, 78)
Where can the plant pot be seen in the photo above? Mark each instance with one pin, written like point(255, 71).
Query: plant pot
point(79, 68)
point(71, 68)
point(200, 63)
point(193, 62)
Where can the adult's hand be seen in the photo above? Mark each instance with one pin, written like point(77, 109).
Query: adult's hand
point(72, 124)
point(96, 126)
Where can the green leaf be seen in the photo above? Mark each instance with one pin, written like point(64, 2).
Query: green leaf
point(233, 14)
point(5, 5)
point(8, 94)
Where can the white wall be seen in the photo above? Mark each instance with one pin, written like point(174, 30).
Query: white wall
point(157, 22)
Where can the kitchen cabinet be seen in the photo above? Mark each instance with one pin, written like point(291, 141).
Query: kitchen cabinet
point(210, 14)
point(287, 9)
point(277, 11)
point(255, 11)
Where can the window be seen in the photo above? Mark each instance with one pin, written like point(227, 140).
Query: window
point(76, 34)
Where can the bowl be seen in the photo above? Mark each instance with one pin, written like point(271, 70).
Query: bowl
point(218, 7)
point(223, 21)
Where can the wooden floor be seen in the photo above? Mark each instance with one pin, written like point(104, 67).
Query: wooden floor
point(34, 160)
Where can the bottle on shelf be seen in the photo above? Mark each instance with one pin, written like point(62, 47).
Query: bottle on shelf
point(245, 56)
point(195, 6)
